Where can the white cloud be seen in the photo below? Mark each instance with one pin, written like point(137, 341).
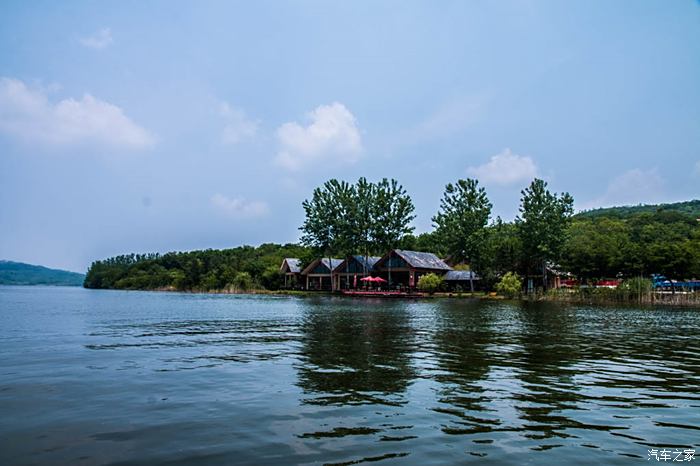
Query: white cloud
point(632, 187)
point(239, 207)
point(505, 168)
point(332, 132)
point(238, 125)
point(99, 40)
point(29, 115)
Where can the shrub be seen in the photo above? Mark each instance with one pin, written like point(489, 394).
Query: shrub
point(637, 285)
point(510, 285)
point(429, 283)
point(243, 281)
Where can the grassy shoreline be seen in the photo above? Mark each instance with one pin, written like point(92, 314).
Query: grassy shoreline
point(608, 298)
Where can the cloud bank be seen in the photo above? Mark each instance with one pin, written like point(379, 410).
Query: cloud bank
point(635, 186)
point(331, 133)
point(239, 207)
point(99, 40)
point(505, 169)
point(27, 114)
point(238, 125)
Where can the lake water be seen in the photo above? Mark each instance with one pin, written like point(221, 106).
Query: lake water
point(112, 377)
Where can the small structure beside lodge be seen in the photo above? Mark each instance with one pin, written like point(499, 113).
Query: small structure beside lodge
point(291, 268)
point(319, 273)
point(462, 279)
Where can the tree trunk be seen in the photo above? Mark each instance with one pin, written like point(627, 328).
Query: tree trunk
point(544, 276)
point(330, 268)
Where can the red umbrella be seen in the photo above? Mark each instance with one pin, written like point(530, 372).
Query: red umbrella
point(373, 279)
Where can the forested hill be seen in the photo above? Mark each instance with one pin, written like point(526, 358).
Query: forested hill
point(17, 273)
point(687, 207)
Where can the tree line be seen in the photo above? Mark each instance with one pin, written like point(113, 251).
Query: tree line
point(369, 218)
point(545, 237)
point(238, 269)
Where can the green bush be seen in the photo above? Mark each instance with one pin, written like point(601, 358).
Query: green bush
point(510, 285)
point(243, 281)
point(636, 285)
point(429, 283)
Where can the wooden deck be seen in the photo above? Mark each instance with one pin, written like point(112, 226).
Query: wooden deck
point(382, 294)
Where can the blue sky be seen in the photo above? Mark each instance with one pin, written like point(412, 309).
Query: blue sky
point(157, 126)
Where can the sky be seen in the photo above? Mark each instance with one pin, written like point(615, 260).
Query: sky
point(163, 126)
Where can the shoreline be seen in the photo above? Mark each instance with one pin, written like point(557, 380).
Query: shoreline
point(651, 300)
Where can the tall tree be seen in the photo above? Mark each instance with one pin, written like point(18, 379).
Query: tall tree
point(327, 227)
point(503, 249)
point(461, 222)
point(392, 214)
point(365, 217)
point(542, 225)
point(362, 217)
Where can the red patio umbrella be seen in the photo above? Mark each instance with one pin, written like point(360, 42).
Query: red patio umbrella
point(373, 279)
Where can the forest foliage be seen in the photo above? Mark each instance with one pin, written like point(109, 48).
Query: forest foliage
point(238, 269)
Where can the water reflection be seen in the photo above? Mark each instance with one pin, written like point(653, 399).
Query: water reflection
point(187, 344)
point(463, 337)
point(339, 381)
point(549, 350)
point(355, 353)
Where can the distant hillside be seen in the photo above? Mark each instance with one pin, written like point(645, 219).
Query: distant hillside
point(17, 273)
point(686, 207)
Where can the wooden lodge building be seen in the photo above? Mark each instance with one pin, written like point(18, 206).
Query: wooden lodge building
point(404, 268)
point(349, 273)
point(319, 273)
point(291, 268)
point(401, 269)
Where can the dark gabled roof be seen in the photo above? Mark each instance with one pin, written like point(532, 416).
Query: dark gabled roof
point(330, 263)
point(369, 263)
point(460, 275)
point(293, 263)
point(422, 260)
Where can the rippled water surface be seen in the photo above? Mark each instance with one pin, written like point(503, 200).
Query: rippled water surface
point(112, 377)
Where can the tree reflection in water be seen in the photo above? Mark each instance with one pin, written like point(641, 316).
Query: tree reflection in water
point(499, 376)
point(355, 352)
point(549, 350)
point(462, 337)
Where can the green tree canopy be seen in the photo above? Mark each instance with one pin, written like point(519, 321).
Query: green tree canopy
point(461, 222)
point(542, 225)
point(366, 217)
point(392, 214)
